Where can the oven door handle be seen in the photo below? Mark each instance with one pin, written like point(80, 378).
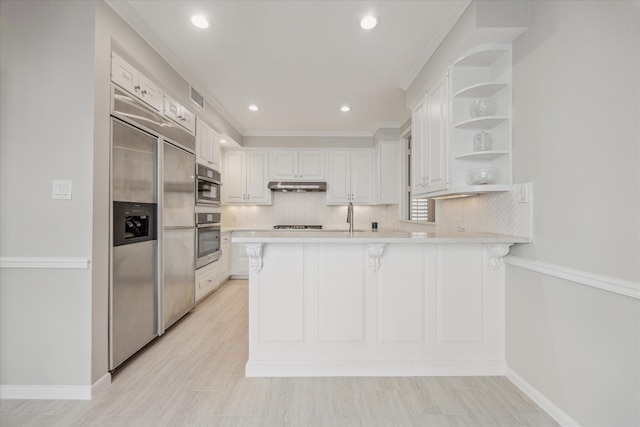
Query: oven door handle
point(207, 179)
point(212, 226)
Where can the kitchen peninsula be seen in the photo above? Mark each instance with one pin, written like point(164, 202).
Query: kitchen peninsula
point(383, 303)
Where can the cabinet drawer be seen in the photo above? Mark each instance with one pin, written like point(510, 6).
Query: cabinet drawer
point(206, 280)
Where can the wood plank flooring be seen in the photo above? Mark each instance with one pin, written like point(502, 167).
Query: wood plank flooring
point(194, 376)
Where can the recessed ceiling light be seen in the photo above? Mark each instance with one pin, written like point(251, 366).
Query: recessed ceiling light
point(199, 21)
point(253, 107)
point(368, 22)
point(223, 141)
point(345, 108)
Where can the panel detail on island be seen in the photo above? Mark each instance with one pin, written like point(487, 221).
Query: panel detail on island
point(360, 307)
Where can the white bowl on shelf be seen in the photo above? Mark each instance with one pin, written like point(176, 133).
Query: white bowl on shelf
point(483, 176)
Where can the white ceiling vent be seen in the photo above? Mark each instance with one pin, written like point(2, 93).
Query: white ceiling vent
point(197, 97)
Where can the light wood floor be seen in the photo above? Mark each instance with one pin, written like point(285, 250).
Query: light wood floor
point(194, 376)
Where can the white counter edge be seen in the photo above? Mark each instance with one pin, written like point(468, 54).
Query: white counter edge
point(372, 237)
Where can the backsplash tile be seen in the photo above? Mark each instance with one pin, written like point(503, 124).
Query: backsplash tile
point(300, 208)
point(494, 212)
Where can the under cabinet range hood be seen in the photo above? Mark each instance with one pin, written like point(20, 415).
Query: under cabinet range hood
point(297, 187)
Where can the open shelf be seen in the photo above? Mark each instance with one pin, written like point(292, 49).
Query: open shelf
point(482, 155)
point(482, 122)
point(482, 57)
point(481, 90)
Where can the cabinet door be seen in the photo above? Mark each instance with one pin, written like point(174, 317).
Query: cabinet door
point(214, 150)
point(206, 280)
point(202, 143)
point(234, 177)
point(283, 165)
point(225, 258)
point(338, 177)
point(123, 74)
point(187, 119)
point(418, 149)
point(438, 135)
point(149, 92)
point(257, 177)
point(239, 260)
point(311, 165)
point(171, 108)
point(362, 176)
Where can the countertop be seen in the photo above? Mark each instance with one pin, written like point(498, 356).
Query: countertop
point(381, 236)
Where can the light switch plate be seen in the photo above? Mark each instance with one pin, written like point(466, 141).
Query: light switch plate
point(61, 189)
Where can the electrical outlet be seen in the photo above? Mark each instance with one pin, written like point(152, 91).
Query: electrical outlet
point(462, 225)
point(522, 194)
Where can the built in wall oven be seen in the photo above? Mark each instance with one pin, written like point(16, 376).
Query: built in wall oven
point(207, 238)
point(207, 186)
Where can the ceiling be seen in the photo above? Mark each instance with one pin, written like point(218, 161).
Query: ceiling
point(298, 61)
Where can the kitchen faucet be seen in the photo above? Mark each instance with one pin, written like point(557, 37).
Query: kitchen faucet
point(350, 216)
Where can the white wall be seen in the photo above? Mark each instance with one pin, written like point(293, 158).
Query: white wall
point(54, 120)
point(576, 137)
point(577, 140)
point(46, 133)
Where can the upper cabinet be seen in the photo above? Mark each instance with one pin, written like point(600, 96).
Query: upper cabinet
point(430, 140)
point(207, 145)
point(461, 128)
point(350, 177)
point(130, 79)
point(179, 113)
point(297, 165)
point(245, 177)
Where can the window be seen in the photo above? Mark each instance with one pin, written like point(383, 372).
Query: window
point(418, 209)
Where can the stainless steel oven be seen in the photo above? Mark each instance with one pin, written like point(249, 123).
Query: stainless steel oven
point(207, 186)
point(207, 238)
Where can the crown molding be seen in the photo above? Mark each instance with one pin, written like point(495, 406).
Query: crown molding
point(456, 11)
point(131, 17)
point(320, 134)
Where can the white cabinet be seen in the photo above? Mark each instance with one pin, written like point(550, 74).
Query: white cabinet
point(430, 138)
point(130, 79)
point(225, 259)
point(482, 73)
point(239, 261)
point(302, 165)
point(444, 126)
point(387, 172)
point(206, 280)
point(245, 177)
point(350, 177)
point(207, 145)
point(179, 113)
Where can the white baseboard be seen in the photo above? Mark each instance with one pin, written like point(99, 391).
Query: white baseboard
point(46, 392)
point(541, 400)
point(54, 392)
point(376, 368)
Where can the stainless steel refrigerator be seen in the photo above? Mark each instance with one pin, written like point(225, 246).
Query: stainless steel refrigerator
point(134, 254)
point(178, 233)
point(152, 265)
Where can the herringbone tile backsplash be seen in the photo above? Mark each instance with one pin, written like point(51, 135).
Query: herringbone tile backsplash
point(495, 213)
